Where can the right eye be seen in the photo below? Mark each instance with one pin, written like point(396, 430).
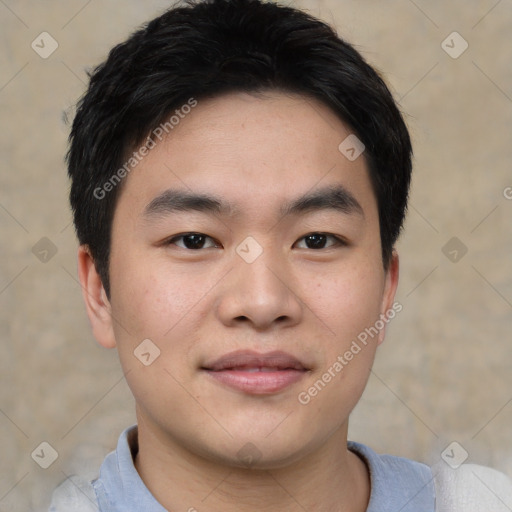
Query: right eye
point(192, 241)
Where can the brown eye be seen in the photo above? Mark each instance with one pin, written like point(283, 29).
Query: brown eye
point(193, 241)
point(320, 241)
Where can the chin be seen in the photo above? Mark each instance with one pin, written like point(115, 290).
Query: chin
point(261, 452)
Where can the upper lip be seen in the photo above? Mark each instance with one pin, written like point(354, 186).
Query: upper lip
point(241, 359)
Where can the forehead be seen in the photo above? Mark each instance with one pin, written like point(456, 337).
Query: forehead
point(250, 149)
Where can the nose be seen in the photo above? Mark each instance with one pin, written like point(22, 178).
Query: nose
point(260, 294)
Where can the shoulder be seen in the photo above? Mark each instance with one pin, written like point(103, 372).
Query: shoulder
point(396, 483)
point(471, 488)
point(74, 495)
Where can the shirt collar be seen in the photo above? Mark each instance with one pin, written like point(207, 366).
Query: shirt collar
point(396, 483)
point(119, 487)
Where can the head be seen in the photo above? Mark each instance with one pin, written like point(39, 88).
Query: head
point(231, 119)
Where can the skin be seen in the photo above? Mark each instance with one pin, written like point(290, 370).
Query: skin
point(257, 152)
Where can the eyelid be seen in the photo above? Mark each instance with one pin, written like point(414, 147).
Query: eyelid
point(171, 241)
point(340, 241)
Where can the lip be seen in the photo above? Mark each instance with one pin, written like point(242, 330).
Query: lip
point(255, 373)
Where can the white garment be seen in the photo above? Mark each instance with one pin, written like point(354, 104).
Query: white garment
point(471, 488)
point(75, 494)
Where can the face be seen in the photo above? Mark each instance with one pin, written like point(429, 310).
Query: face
point(246, 248)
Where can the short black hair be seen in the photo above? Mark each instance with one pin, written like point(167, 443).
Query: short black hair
point(205, 48)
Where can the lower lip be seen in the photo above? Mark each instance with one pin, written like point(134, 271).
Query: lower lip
point(258, 383)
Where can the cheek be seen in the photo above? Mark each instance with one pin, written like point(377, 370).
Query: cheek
point(152, 299)
point(347, 302)
point(162, 304)
point(152, 306)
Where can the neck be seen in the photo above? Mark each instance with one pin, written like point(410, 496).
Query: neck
point(332, 479)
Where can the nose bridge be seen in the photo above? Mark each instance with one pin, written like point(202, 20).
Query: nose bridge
point(259, 289)
point(265, 275)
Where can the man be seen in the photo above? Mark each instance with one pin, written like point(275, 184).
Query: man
point(239, 180)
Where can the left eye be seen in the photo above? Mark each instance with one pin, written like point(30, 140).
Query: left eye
point(319, 241)
point(193, 241)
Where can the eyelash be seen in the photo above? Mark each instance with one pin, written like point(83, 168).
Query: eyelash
point(339, 242)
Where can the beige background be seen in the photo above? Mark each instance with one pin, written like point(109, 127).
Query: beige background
point(443, 373)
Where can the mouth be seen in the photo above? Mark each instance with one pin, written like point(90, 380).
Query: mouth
point(254, 373)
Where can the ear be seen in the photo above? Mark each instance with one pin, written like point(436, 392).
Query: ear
point(388, 295)
point(97, 304)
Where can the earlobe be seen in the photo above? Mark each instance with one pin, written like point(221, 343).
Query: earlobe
point(388, 296)
point(96, 302)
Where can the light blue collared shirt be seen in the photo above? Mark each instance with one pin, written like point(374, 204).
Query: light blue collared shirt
point(397, 484)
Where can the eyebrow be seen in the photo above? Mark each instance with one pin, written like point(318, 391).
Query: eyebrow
point(336, 198)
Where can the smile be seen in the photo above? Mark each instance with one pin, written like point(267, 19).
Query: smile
point(255, 373)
